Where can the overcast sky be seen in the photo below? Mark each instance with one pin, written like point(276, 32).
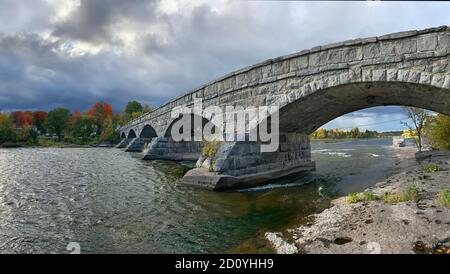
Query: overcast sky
point(71, 53)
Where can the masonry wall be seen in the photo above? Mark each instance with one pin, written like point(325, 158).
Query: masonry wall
point(244, 158)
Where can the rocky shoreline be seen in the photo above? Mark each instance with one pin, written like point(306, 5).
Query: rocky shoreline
point(378, 226)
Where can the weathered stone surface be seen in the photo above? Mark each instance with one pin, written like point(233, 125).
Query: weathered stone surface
point(427, 42)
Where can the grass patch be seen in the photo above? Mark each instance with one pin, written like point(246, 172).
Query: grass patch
point(411, 193)
point(210, 148)
point(353, 198)
point(431, 168)
point(392, 198)
point(369, 196)
point(444, 198)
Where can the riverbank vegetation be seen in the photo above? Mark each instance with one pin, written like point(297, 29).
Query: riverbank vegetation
point(411, 193)
point(437, 131)
point(59, 127)
point(427, 129)
point(444, 198)
point(343, 134)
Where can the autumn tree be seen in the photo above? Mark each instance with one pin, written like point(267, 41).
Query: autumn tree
point(57, 120)
point(22, 119)
point(109, 134)
point(100, 111)
point(39, 118)
point(417, 118)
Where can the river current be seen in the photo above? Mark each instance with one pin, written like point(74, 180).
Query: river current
point(109, 201)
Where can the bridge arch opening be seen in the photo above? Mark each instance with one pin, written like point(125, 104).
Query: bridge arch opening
point(309, 113)
point(193, 129)
point(148, 132)
point(123, 135)
point(132, 134)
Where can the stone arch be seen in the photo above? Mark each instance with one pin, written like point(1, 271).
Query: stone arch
point(321, 106)
point(132, 134)
point(148, 132)
point(123, 135)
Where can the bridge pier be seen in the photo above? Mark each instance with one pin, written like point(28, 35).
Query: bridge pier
point(137, 144)
point(124, 143)
point(165, 148)
point(243, 165)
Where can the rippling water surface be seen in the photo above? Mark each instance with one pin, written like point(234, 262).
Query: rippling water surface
point(110, 201)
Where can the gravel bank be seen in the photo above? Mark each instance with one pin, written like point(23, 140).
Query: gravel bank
point(377, 226)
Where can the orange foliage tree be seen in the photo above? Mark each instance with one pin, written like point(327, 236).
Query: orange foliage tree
point(22, 119)
point(100, 111)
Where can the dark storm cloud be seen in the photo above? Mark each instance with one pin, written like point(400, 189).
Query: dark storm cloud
point(95, 20)
point(34, 75)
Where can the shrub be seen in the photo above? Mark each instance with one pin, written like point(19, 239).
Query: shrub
point(359, 197)
point(210, 148)
point(431, 168)
point(353, 198)
point(27, 135)
point(369, 196)
point(392, 198)
point(444, 198)
point(411, 194)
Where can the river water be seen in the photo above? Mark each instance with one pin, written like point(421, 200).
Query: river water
point(109, 201)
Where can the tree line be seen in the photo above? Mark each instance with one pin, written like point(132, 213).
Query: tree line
point(96, 125)
point(336, 133)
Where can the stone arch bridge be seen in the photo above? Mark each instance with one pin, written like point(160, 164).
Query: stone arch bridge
point(310, 88)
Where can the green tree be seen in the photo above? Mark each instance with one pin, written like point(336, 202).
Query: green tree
point(124, 118)
point(133, 107)
point(146, 108)
point(437, 130)
point(417, 117)
point(27, 135)
point(83, 126)
point(355, 133)
point(57, 120)
point(7, 132)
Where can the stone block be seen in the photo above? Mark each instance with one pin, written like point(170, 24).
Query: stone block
point(317, 59)
point(371, 51)
point(427, 42)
